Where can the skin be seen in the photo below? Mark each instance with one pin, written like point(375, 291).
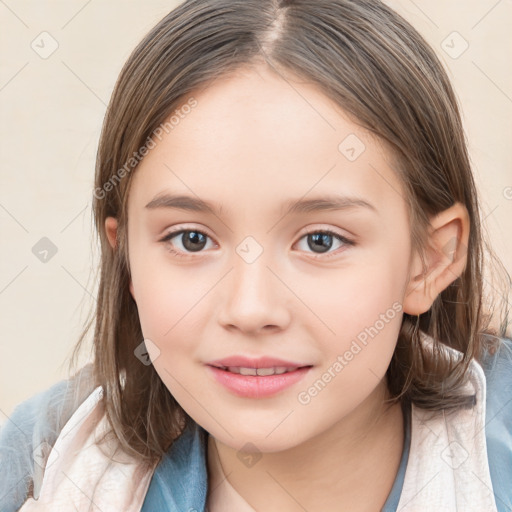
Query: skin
point(251, 143)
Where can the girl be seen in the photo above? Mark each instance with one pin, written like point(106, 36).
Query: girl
point(291, 311)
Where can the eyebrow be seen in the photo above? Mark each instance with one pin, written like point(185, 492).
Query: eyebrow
point(293, 206)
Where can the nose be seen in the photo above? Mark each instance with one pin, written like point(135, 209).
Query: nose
point(254, 298)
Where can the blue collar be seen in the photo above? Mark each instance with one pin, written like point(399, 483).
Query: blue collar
point(180, 481)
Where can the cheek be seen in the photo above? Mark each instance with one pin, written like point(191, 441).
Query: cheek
point(361, 309)
point(354, 298)
point(170, 300)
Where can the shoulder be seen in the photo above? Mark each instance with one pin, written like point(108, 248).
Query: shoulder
point(30, 431)
point(497, 366)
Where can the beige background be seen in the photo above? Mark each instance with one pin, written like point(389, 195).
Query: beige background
point(51, 110)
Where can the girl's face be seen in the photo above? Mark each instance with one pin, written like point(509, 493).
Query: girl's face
point(255, 278)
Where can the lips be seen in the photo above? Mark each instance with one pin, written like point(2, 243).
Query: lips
point(239, 361)
point(256, 386)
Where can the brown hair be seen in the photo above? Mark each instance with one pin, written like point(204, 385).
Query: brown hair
point(381, 72)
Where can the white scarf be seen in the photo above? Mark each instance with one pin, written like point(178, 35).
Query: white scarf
point(448, 468)
point(81, 476)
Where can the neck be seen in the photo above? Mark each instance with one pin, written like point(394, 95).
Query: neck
point(351, 466)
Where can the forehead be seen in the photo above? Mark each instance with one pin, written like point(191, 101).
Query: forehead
point(255, 139)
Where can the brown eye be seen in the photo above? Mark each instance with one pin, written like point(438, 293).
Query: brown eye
point(193, 240)
point(187, 241)
point(321, 241)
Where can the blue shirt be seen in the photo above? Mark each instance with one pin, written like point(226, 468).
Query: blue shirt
point(180, 481)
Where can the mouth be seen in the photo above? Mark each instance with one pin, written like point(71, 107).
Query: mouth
point(259, 372)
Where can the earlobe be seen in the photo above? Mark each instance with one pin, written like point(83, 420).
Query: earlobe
point(445, 259)
point(111, 230)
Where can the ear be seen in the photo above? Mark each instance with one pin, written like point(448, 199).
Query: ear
point(446, 257)
point(111, 230)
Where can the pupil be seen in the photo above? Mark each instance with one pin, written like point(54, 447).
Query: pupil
point(322, 239)
point(193, 237)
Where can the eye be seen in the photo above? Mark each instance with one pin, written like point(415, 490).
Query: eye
point(190, 240)
point(321, 241)
point(194, 241)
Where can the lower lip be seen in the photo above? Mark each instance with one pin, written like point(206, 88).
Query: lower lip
point(257, 386)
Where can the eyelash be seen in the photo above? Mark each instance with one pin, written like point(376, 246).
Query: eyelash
point(180, 254)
